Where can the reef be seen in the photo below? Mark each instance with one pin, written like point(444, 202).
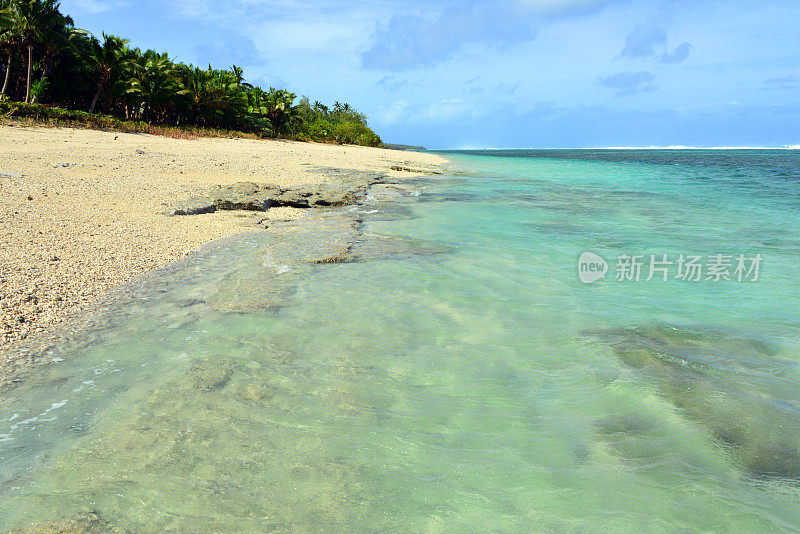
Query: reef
point(717, 379)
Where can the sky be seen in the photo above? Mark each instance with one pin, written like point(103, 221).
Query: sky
point(508, 73)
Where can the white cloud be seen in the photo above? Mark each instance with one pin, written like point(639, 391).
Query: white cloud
point(308, 35)
point(439, 112)
point(98, 6)
point(561, 7)
point(445, 110)
point(394, 114)
point(194, 8)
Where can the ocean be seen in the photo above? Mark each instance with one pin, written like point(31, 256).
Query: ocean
point(541, 340)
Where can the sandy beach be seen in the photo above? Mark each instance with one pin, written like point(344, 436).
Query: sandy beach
point(82, 211)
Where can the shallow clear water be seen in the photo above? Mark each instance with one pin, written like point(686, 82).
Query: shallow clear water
point(481, 387)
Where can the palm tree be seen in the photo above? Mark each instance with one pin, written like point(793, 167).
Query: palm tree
point(33, 20)
point(280, 108)
point(57, 31)
point(256, 101)
point(215, 96)
point(28, 23)
point(193, 82)
point(28, 20)
point(106, 57)
point(8, 36)
point(153, 81)
point(238, 73)
point(319, 107)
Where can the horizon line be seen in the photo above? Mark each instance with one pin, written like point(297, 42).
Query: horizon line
point(651, 147)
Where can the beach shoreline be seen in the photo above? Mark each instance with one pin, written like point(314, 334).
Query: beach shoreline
point(83, 212)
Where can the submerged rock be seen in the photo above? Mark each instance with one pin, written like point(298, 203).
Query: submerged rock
point(207, 375)
point(374, 247)
point(340, 252)
point(624, 424)
point(403, 168)
point(338, 258)
point(228, 454)
point(633, 436)
point(387, 212)
point(87, 523)
point(188, 303)
point(254, 392)
point(720, 380)
point(370, 247)
point(254, 293)
point(389, 192)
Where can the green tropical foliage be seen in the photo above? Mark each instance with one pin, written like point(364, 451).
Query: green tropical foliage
point(46, 60)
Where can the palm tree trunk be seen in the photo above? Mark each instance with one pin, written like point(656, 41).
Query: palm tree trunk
point(8, 74)
point(30, 69)
point(96, 97)
point(48, 62)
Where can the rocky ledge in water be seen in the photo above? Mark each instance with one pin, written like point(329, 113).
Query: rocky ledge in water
point(427, 170)
point(295, 249)
point(252, 196)
point(351, 188)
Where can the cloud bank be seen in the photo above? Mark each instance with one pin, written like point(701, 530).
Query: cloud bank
point(650, 41)
point(629, 83)
point(422, 38)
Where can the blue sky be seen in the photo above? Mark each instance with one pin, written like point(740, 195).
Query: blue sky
point(509, 73)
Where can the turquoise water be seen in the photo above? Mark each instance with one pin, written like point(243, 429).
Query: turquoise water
point(461, 380)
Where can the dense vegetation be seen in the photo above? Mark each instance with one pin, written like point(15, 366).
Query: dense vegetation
point(46, 60)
